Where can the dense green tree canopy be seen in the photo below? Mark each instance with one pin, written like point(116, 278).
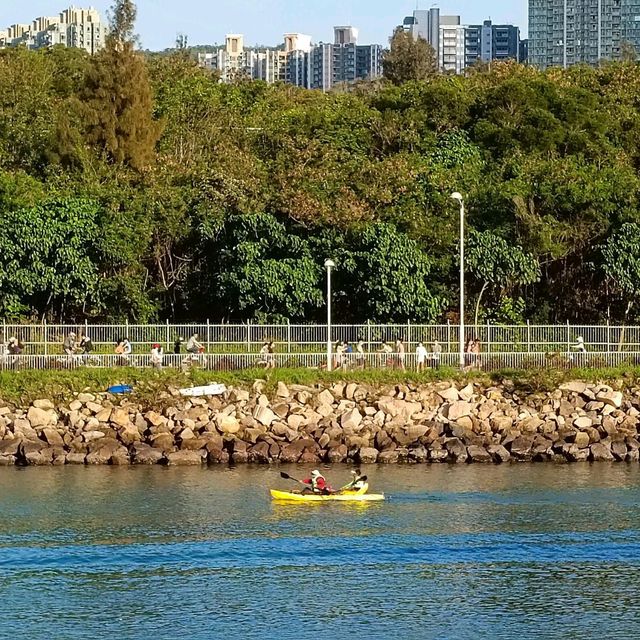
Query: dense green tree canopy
point(185, 198)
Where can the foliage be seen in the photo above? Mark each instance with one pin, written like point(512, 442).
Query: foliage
point(186, 198)
point(408, 58)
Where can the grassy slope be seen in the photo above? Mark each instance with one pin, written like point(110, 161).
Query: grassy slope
point(24, 386)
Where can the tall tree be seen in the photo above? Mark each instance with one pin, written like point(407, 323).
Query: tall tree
point(118, 95)
point(409, 58)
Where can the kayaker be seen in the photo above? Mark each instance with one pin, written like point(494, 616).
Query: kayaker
point(357, 482)
point(318, 483)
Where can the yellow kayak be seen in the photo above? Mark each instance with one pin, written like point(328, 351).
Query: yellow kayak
point(360, 495)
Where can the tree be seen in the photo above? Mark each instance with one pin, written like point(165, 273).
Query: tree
point(409, 58)
point(621, 263)
point(48, 259)
point(493, 261)
point(118, 96)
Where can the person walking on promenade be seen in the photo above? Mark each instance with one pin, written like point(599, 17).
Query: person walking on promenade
point(157, 355)
point(271, 355)
point(360, 358)
point(421, 357)
point(400, 351)
point(436, 353)
point(69, 344)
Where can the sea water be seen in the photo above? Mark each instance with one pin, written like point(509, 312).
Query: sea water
point(513, 551)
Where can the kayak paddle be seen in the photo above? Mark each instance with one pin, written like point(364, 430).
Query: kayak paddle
point(286, 476)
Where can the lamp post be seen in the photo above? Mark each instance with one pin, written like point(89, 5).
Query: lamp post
point(329, 264)
point(458, 198)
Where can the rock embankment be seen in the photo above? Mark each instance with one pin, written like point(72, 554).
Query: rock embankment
point(344, 422)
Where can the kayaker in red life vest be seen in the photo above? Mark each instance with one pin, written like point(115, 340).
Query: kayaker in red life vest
point(318, 483)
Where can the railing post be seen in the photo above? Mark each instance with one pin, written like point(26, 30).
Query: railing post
point(288, 335)
point(448, 336)
point(528, 337)
point(368, 335)
point(608, 336)
point(168, 336)
point(44, 332)
point(248, 336)
point(488, 337)
point(568, 337)
point(208, 336)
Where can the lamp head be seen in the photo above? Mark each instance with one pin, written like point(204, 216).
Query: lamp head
point(457, 196)
point(329, 264)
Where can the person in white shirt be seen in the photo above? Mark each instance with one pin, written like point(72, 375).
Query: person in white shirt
point(421, 357)
point(400, 350)
point(157, 355)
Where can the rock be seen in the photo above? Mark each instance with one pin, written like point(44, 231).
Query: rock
point(74, 457)
point(86, 398)
point(601, 453)
point(459, 409)
point(367, 455)
point(325, 397)
point(89, 436)
point(264, 416)
point(399, 408)
point(457, 450)
point(619, 450)
point(501, 423)
point(291, 453)
point(45, 405)
point(582, 440)
point(40, 417)
point(351, 420)
point(217, 456)
point(449, 395)
point(144, 454)
point(52, 437)
point(120, 417)
point(129, 434)
point(228, 424)
point(388, 457)
point(185, 458)
point(239, 395)
point(611, 398)
point(521, 448)
point(94, 407)
point(151, 416)
point(104, 415)
point(259, 453)
point(499, 453)
point(282, 390)
point(583, 422)
point(163, 441)
point(479, 454)
point(466, 393)
point(337, 454)
point(574, 387)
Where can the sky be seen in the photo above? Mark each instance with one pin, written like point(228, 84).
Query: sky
point(265, 21)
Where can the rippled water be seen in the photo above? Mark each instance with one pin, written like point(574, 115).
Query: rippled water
point(456, 552)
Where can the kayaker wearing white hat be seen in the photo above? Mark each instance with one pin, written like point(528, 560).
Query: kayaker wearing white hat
point(357, 481)
point(318, 483)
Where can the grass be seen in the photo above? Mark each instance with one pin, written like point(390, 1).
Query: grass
point(21, 387)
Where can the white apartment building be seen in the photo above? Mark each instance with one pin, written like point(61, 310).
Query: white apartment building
point(451, 45)
point(73, 27)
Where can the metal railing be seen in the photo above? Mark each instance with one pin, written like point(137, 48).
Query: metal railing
point(487, 362)
point(46, 339)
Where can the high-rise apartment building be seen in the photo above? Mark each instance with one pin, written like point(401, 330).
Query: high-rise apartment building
point(567, 32)
point(458, 46)
point(73, 27)
point(488, 42)
point(298, 62)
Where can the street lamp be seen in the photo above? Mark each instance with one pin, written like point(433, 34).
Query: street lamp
point(328, 265)
point(458, 198)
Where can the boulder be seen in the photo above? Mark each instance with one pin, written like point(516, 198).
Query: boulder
point(521, 448)
point(449, 395)
point(466, 393)
point(584, 422)
point(479, 454)
point(324, 397)
point(459, 409)
point(499, 453)
point(582, 440)
point(121, 417)
point(282, 390)
point(186, 458)
point(74, 457)
point(351, 420)
point(52, 437)
point(45, 405)
point(399, 408)
point(367, 455)
point(291, 453)
point(337, 454)
point(611, 398)
point(129, 434)
point(457, 450)
point(619, 450)
point(260, 453)
point(228, 424)
point(144, 454)
point(41, 417)
point(574, 387)
point(217, 455)
point(388, 457)
point(264, 415)
point(601, 453)
point(85, 398)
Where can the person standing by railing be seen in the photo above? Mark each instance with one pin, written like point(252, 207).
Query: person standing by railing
point(400, 352)
point(421, 357)
point(436, 354)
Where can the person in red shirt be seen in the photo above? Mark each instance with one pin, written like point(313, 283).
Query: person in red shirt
point(318, 483)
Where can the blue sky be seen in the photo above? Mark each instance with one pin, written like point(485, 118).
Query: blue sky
point(264, 21)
